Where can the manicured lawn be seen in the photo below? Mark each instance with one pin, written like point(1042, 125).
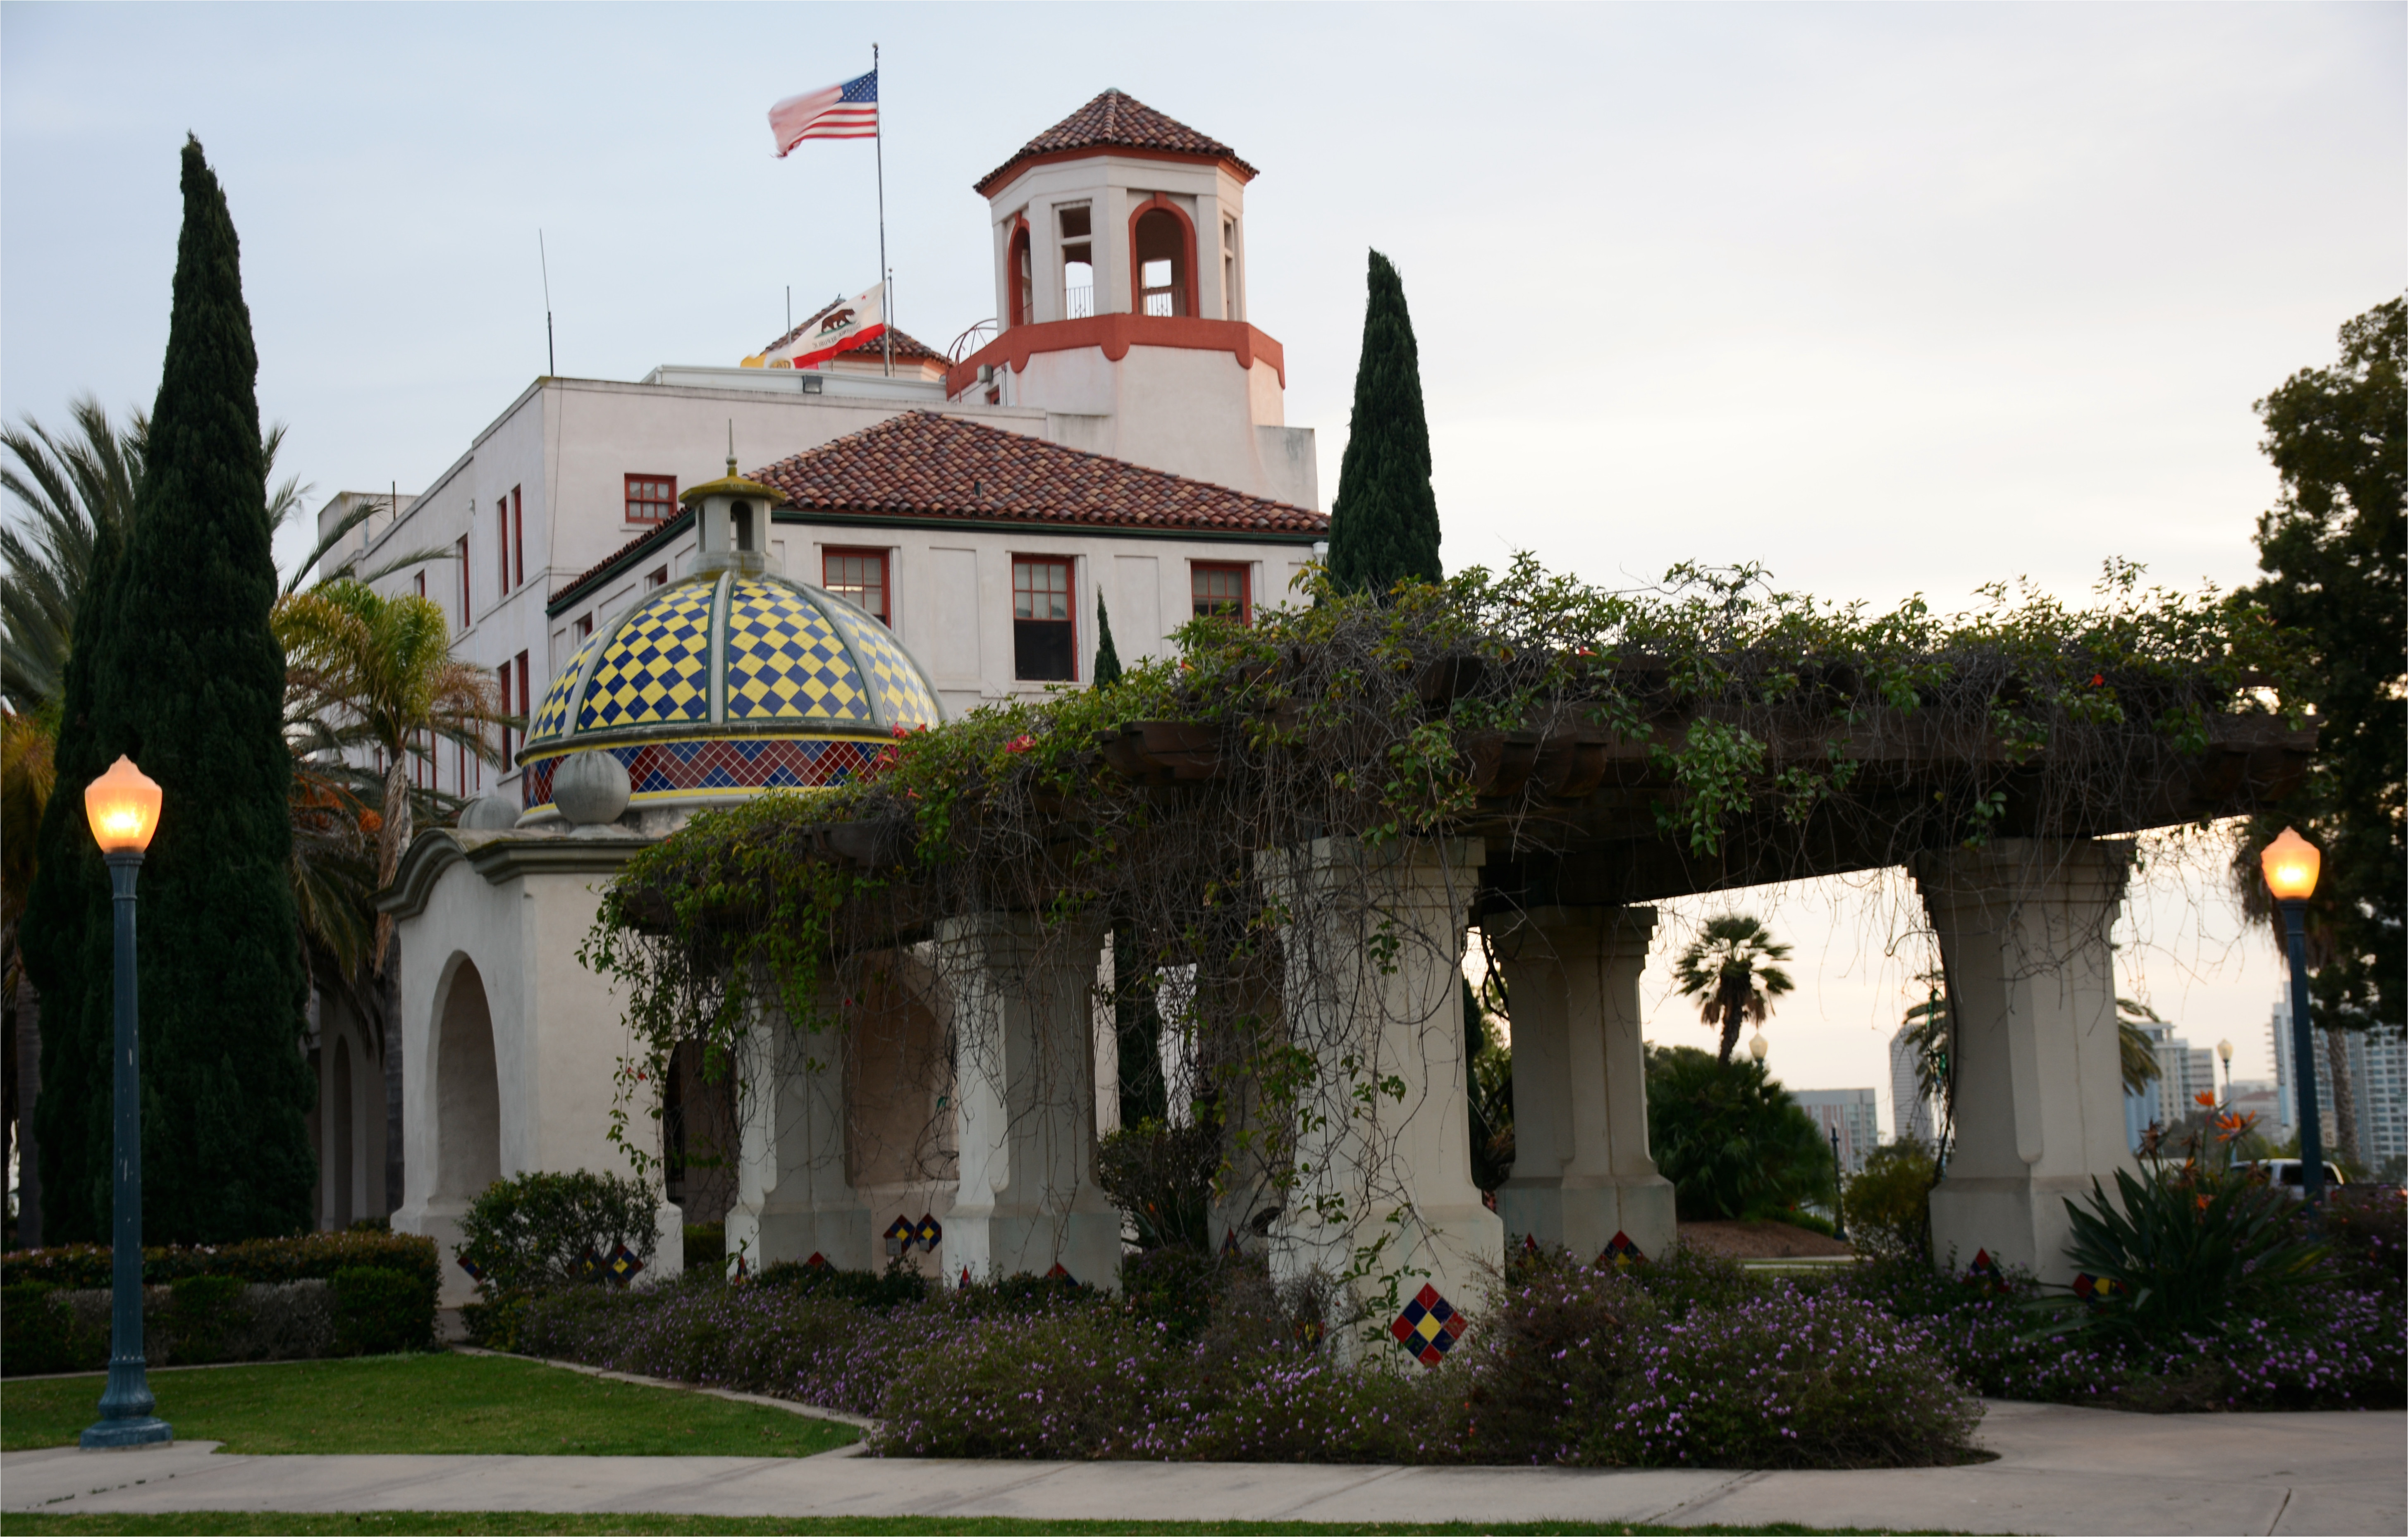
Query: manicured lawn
point(422, 1403)
point(411, 1523)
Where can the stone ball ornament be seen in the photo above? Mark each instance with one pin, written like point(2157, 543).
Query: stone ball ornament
point(591, 789)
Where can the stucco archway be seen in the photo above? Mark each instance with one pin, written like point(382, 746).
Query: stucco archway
point(467, 1094)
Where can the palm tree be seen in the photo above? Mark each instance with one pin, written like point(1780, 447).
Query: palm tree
point(366, 671)
point(1728, 969)
point(78, 488)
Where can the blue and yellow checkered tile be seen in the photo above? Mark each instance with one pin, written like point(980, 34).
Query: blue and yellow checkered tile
point(553, 719)
point(657, 668)
point(1428, 1327)
point(784, 661)
point(902, 695)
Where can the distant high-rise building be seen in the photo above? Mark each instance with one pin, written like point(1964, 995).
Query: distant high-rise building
point(1911, 1117)
point(2378, 1073)
point(1854, 1112)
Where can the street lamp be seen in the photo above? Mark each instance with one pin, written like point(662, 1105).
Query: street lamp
point(2224, 1051)
point(123, 806)
point(1758, 1045)
point(2291, 863)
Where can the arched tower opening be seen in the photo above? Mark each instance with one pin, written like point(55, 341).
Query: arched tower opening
point(468, 1093)
point(1162, 255)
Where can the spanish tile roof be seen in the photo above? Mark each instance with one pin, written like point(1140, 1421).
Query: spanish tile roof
point(924, 465)
point(1117, 120)
point(675, 522)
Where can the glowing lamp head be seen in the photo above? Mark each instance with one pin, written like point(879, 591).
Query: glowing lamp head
point(2291, 864)
point(2224, 1050)
point(1758, 1045)
point(123, 806)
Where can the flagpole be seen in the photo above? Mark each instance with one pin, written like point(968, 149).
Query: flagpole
point(885, 277)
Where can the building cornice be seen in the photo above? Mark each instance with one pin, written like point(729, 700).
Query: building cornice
point(500, 857)
point(1114, 335)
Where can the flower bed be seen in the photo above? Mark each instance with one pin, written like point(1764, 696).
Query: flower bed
point(1697, 1367)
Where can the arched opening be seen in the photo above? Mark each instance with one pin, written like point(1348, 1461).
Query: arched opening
point(1020, 277)
point(742, 514)
point(341, 1121)
point(699, 1140)
point(1162, 251)
point(467, 1096)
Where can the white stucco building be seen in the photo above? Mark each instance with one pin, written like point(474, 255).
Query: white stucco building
point(1118, 444)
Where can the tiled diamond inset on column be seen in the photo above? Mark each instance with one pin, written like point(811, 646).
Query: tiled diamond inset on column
point(784, 661)
point(1428, 1327)
point(658, 669)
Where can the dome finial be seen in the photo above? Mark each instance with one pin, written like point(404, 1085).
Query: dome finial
point(731, 448)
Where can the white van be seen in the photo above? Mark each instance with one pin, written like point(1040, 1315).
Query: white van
point(2289, 1176)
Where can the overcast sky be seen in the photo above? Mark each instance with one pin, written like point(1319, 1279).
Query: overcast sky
point(1893, 299)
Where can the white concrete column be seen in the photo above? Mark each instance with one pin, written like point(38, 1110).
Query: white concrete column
point(1582, 1169)
point(1024, 1106)
point(2022, 927)
point(793, 1199)
point(1373, 991)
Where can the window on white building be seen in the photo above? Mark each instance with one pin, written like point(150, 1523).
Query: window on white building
point(1077, 263)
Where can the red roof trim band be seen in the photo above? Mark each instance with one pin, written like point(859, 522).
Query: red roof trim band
point(1117, 334)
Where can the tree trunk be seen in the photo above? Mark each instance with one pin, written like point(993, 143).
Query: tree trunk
point(392, 839)
point(29, 1089)
point(2344, 1097)
point(1734, 1005)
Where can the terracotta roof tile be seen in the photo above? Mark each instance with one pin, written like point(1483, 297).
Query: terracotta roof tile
point(924, 465)
point(1116, 120)
point(675, 524)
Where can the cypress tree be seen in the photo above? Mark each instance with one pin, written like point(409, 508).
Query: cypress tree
point(1108, 657)
point(201, 678)
point(67, 934)
point(1383, 525)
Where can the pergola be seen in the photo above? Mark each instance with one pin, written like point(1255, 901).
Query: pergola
point(1313, 934)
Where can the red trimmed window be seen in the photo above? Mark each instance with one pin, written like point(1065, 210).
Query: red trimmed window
point(523, 712)
point(502, 676)
point(1222, 590)
point(518, 538)
point(1077, 263)
point(462, 548)
point(859, 576)
point(421, 583)
point(651, 498)
point(1044, 638)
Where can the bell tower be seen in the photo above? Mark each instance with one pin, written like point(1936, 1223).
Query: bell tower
point(1119, 240)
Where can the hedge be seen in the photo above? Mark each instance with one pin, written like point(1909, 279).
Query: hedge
point(313, 1256)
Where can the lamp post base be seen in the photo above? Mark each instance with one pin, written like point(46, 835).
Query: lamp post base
point(111, 1435)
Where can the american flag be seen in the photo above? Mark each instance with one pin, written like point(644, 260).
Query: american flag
point(836, 111)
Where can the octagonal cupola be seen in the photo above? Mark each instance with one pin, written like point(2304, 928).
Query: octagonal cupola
point(731, 523)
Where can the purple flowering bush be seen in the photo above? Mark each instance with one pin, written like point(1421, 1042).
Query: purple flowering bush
point(1689, 1364)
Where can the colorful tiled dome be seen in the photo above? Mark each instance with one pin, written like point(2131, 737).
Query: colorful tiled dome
point(725, 684)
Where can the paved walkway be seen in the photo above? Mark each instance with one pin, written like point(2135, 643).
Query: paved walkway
point(2059, 1469)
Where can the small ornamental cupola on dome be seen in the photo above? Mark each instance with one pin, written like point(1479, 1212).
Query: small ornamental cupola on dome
point(730, 680)
point(731, 523)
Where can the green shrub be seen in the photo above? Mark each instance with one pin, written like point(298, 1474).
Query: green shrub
point(1161, 1178)
point(1888, 1204)
point(543, 1230)
point(2192, 1251)
point(39, 1333)
point(895, 1287)
point(1171, 1287)
point(381, 1313)
point(202, 1312)
point(706, 1245)
point(313, 1256)
point(1730, 1138)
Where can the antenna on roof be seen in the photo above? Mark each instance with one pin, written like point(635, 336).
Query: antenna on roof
point(790, 310)
point(550, 358)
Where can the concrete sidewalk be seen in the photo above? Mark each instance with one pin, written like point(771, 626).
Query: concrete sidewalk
point(2059, 1469)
